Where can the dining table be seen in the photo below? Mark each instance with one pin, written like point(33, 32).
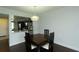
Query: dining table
point(39, 39)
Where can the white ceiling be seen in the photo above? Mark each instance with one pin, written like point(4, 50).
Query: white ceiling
point(31, 9)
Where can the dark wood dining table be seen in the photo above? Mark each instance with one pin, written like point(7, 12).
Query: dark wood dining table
point(39, 39)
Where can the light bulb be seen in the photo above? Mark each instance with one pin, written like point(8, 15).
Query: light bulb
point(35, 18)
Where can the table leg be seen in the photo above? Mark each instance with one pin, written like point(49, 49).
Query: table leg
point(38, 48)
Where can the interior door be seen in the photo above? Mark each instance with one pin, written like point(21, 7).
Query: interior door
point(4, 33)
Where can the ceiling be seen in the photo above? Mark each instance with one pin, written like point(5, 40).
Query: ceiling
point(31, 9)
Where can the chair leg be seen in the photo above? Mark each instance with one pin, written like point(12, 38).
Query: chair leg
point(28, 47)
point(50, 48)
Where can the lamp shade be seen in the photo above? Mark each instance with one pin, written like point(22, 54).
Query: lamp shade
point(35, 18)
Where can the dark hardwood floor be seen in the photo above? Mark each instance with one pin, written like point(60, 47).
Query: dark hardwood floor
point(57, 48)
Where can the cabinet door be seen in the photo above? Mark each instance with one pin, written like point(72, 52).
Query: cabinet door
point(4, 45)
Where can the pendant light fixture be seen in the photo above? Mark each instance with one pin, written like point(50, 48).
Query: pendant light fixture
point(34, 17)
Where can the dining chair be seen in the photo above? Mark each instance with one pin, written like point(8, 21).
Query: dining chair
point(30, 46)
point(28, 42)
point(51, 42)
point(46, 33)
point(46, 36)
point(49, 45)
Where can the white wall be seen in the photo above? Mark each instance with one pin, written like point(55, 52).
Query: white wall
point(16, 37)
point(64, 21)
point(35, 27)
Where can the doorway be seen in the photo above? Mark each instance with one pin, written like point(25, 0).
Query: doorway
point(4, 33)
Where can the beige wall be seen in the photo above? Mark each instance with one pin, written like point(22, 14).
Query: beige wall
point(3, 26)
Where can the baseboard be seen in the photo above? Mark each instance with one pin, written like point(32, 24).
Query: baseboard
point(60, 48)
point(16, 43)
point(68, 47)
